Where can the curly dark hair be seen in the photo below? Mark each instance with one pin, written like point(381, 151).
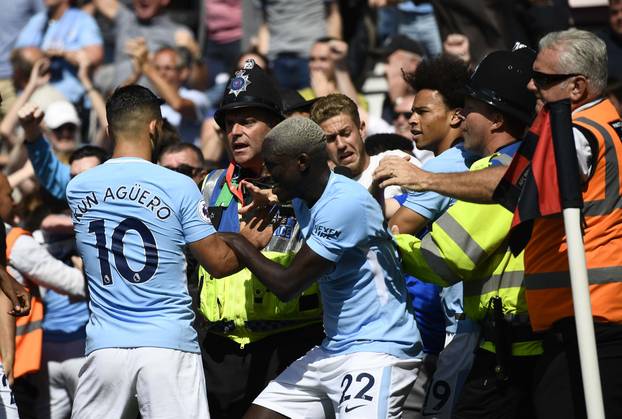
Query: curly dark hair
point(446, 74)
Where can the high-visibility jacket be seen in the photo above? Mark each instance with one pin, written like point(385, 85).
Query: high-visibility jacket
point(546, 259)
point(240, 306)
point(28, 329)
point(469, 243)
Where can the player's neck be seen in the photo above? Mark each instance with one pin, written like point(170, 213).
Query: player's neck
point(140, 150)
point(314, 191)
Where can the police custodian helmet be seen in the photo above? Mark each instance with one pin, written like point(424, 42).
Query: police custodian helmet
point(500, 80)
point(249, 87)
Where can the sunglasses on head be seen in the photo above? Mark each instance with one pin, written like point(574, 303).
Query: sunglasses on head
point(185, 169)
point(545, 80)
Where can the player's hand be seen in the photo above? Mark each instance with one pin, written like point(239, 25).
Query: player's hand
point(30, 117)
point(258, 230)
point(399, 171)
point(16, 292)
point(261, 198)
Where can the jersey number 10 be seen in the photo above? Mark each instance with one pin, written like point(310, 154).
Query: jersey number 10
point(120, 261)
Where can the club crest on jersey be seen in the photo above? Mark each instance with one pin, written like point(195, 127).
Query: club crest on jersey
point(204, 212)
point(239, 83)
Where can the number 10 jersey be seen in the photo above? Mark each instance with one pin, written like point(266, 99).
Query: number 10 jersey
point(132, 220)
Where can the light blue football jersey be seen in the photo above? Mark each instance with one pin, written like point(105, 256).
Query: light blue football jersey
point(364, 297)
point(432, 205)
point(132, 219)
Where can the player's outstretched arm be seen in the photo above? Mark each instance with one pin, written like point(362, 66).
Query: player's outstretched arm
point(215, 256)
point(285, 282)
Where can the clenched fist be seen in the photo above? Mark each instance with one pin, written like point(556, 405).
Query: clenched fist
point(30, 117)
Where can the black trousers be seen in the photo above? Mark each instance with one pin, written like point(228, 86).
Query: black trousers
point(559, 387)
point(485, 397)
point(236, 376)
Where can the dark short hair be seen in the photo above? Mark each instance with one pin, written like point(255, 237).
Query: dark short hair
point(446, 74)
point(378, 143)
point(89, 151)
point(131, 105)
point(332, 105)
point(176, 148)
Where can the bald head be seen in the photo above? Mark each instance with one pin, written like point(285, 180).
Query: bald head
point(293, 137)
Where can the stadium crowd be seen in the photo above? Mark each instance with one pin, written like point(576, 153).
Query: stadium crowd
point(304, 208)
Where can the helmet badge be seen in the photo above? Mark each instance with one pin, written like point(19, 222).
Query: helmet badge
point(240, 81)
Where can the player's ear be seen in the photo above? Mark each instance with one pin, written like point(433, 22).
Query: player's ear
point(304, 162)
point(153, 127)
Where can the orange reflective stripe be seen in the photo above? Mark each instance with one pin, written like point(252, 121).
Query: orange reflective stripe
point(544, 280)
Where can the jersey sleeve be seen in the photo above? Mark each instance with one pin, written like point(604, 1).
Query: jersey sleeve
point(428, 204)
point(194, 217)
point(339, 225)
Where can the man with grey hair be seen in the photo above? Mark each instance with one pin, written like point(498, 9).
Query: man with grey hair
point(572, 65)
point(372, 351)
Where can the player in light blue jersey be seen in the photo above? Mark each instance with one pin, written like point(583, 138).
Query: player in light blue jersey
point(369, 360)
point(132, 220)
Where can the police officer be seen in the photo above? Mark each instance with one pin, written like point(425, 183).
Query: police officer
point(251, 335)
point(468, 243)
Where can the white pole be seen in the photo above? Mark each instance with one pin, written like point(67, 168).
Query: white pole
point(583, 315)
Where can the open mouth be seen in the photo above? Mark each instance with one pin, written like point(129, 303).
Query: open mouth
point(346, 157)
point(239, 146)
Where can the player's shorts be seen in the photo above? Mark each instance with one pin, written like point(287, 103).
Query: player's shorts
point(358, 385)
point(157, 382)
point(452, 369)
point(8, 408)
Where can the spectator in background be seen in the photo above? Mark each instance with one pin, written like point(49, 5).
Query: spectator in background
point(146, 21)
point(61, 31)
point(15, 14)
point(31, 78)
point(286, 35)
point(223, 23)
point(612, 35)
point(63, 123)
point(402, 55)
point(184, 108)
point(329, 71)
point(413, 19)
point(186, 159)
